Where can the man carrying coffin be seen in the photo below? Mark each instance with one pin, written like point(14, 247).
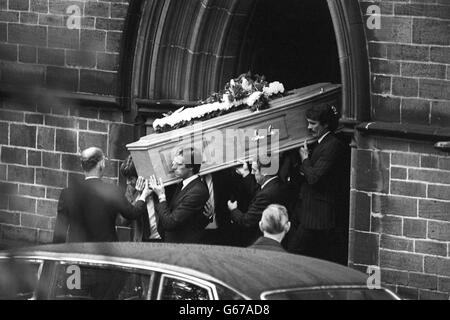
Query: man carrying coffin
point(267, 189)
point(318, 222)
point(183, 219)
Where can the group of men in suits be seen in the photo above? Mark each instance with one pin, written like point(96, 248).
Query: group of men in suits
point(245, 207)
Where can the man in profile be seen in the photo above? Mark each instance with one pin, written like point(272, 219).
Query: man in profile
point(274, 225)
point(266, 189)
point(182, 220)
point(87, 211)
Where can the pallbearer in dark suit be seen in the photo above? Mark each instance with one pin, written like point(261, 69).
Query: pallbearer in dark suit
point(87, 211)
point(267, 189)
point(223, 185)
point(316, 219)
point(274, 225)
point(144, 228)
point(183, 220)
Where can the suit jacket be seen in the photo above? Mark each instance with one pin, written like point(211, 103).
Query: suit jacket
point(268, 244)
point(140, 227)
point(319, 189)
point(228, 185)
point(183, 221)
point(87, 212)
point(275, 192)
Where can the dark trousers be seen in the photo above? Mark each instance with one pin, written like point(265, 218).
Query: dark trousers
point(311, 243)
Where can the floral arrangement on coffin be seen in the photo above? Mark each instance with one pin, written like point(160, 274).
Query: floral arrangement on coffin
point(244, 92)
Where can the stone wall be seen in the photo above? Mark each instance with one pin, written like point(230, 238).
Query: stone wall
point(37, 46)
point(400, 215)
point(41, 135)
point(400, 197)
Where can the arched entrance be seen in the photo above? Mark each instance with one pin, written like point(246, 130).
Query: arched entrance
point(179, 52)
point(184, 50)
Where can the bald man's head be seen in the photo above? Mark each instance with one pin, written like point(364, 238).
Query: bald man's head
point(275, 220)
point(90, 158)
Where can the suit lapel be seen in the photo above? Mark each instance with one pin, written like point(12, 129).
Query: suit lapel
point(266, 188)
point(181, 192)
point(269, 185)
point(176, 194)
point(321, 146)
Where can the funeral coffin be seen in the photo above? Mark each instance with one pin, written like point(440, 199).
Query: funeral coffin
point(227, 140)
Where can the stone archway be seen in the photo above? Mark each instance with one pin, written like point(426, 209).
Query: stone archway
point(185, 50)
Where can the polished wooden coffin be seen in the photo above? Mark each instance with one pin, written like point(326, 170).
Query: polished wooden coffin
point(226, 140)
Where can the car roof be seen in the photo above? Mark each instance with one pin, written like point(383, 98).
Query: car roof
point(248, 271)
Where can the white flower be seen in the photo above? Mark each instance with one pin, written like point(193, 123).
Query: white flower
point(251, 100)
point(200, 111)
point(157, 123)
point(246, 85)
point(226, 98)
point(273, 88)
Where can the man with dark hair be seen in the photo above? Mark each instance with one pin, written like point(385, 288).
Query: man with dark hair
point(266, 189)
point(144, 228)
point(274, 225)
point(87, 211)
point(183, 220)
point(315, 220)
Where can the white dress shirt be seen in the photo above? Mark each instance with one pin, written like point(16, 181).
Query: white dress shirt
point(323, 137)
point(189, 180)
point(265, 183)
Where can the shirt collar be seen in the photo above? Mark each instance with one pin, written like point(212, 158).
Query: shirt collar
point(265, 183)
point(189, 180)
point(323, 137)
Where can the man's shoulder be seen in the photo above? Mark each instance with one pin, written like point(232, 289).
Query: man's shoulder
point(333, 141)
point(198, 185)
point(98, 187)
point(276, 185)
point(267, 244)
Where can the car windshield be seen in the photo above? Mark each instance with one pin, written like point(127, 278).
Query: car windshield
point(331, 294)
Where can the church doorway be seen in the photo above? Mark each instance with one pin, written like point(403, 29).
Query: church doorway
point(183, 51)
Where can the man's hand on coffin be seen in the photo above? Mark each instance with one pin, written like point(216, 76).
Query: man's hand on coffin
point(157, 186)
point(140, 184)
point(304, 152)
point(232, 205)
point(245, 169)
point(146, 192)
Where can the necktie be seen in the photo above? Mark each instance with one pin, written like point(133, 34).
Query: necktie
point(209, 207)
point(177, 192)
point(151, 222)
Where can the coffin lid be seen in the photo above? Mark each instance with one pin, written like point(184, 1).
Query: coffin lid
point(302, 95)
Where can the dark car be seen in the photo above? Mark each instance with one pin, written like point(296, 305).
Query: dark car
point(137, 271)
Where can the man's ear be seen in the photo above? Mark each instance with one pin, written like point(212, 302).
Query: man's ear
point(287, 227)
point(261, 226)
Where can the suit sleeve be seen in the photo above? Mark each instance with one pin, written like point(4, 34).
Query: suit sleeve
point(129, 211)
point(325, 162)
point(250, 185)
point(191, 204)
point(62, 219)
point(252, 217)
